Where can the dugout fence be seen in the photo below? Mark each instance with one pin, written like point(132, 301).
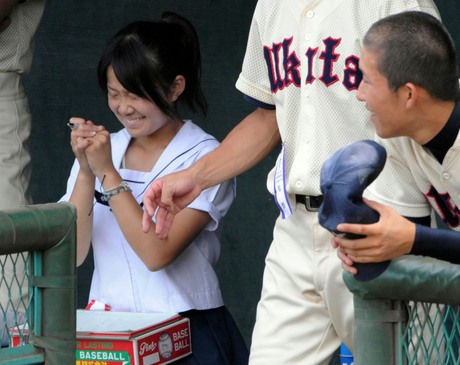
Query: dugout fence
point(38, 284)
point(409, 315)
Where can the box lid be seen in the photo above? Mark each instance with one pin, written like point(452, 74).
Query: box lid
point(120, 324)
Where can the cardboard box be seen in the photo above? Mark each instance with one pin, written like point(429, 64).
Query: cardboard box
point(115, 338)
point(122, 338)
point(19, 336)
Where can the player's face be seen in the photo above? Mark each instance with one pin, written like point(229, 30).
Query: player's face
point(385, 105)
point(139, 116)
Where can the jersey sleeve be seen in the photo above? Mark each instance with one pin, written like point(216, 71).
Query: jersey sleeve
point(253, 80)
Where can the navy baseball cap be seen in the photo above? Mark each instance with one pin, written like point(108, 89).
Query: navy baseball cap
point(344, 176)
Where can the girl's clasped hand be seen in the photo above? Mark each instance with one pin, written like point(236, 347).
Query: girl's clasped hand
point(87, 140)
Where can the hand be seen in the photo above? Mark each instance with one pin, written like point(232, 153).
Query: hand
point(347, 262)
point(391, 237)
point(98, 153)
point(165, 198)
point(82, 131)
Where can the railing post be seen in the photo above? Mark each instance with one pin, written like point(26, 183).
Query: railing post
point(375, 324)
point(49, 232)
point(381, 312)
point(57, 283)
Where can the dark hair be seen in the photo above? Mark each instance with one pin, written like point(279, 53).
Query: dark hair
point(415, 47)
point(147, 56)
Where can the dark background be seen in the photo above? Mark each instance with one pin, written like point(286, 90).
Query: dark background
point(63, 83)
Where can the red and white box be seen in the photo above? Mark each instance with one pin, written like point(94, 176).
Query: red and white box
point(19, 336)
point(123, 338)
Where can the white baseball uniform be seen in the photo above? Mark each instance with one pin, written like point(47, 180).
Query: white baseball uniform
point(120, 278)
point(420, 183)
point(302, 58)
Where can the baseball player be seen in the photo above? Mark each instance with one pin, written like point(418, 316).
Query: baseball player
point(413, 96)
point(301, 73)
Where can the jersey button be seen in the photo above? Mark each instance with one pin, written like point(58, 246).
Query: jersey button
point(445, 175)
point(310, 14)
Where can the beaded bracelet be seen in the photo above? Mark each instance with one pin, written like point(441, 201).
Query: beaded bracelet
point(107, 194)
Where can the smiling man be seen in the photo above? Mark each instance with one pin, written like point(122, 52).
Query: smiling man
point(410, 86)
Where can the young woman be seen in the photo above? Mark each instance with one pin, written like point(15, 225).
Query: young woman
point(146, 70)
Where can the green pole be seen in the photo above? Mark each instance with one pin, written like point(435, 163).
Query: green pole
point(49, 231)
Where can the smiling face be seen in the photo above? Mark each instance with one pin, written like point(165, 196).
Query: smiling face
point(139, 116)
point(387, 106)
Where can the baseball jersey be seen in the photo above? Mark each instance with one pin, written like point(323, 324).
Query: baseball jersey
point(120, 278)
point(302, 57)
point(419, 183)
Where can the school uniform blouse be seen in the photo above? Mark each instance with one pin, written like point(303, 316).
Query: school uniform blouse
point(120, 278)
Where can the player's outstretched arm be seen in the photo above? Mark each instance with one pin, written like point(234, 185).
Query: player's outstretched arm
point(165, 198)
point(246, 145)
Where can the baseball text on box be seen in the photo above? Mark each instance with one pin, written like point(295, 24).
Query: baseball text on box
point(122, 338)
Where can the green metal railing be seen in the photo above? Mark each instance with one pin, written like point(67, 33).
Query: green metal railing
point(409, 315)
point(40, 241)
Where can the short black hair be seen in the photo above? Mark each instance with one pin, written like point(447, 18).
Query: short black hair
point(415, 47)
point(147, 56)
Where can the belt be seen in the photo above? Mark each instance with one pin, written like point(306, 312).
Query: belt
point(311, 202)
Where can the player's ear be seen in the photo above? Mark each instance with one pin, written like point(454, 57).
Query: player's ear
point(177, 88)
point(410, 93)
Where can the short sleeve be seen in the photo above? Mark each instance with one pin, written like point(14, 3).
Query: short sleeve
point(253, 80)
